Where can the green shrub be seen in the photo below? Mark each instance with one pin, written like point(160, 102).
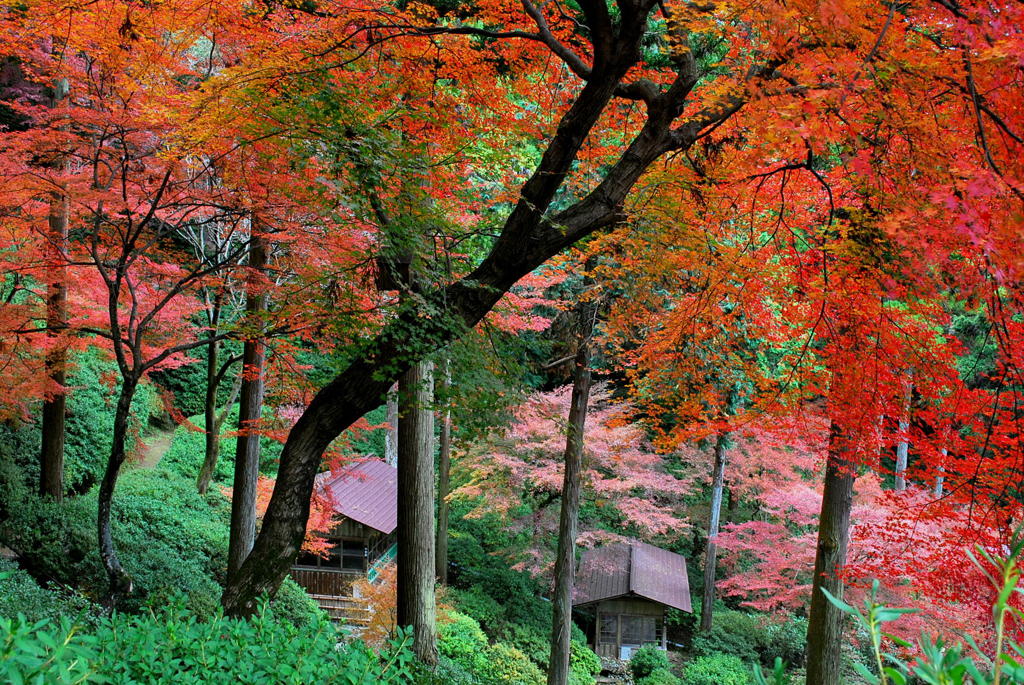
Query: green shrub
point(506, 664)
point(659, 676)
point(646, 660)
point(45, 652)
point(716, 669)
point(169, 538)
point(188, 449)
point(475, 602)
point(447, 672)
point(292, 604)
point(462, 641)
point(21, 594)
point(174, 646)
point(754, 637)
point(187, 383)
point(732, 632)
point(89, 424)
point(90, 418)
point(783, 639)
point(584, 663)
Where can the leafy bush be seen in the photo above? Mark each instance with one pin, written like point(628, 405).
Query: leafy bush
point(462, 641)
point(292, 604)
point(89, 425)
point(170, 539)
point(475, 602)
point(732, 632)
point(752, 637)
point(447, 672)
point(465, 644)
point(20, 594)
point(716, 669)
point(90, 418)
point(584, 664)
point(45, 652)
point(506, 603)
point(509, 665)
point(783, 639)
point(188, 449)
point(659, 676)
point(187, 383)
point(646, 660)
point(174, 646)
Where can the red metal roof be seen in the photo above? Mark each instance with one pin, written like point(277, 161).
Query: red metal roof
point(366, 492)
point(622, 569)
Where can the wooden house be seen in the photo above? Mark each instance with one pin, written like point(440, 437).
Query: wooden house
point(627, 589)
point(365, 500)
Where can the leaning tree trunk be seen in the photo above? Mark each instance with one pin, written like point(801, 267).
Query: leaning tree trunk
point(565, 560)
point(51, 453)
point(825, 623)
point(210, 406)
point(530, 236)
point(120, 583)
point(416, 566)
point(711, 553)
point(250, 407)
point(444, 450)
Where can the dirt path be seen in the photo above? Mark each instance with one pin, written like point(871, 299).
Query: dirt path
point(155, 449)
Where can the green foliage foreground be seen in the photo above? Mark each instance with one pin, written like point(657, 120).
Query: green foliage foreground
point(173, 646)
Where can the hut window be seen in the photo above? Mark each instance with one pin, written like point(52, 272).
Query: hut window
point(609, 629)
point(353, 555)
point(640, 630)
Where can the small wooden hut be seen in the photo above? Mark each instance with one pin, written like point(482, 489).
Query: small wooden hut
point(628, 589)
point(365, 499)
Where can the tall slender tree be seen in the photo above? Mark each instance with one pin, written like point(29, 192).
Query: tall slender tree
point(825, 621)
point(444, 451)
point(568, 525)
point(711, 552)
point(250, 408)
point(52, 424)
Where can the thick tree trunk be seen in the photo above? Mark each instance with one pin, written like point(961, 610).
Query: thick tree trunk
point(120, 583)
point(444, 451)
point(416, 566)
point(391, 435)
point(51, 453)
point(565, 559)
point(51, 449)
point(210, 405)
point(711, 553)
point(825, 623)
point(530, 236)
point(250, 407)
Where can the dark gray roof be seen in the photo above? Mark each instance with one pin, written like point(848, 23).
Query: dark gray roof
point(639, 569)
point(366, 492)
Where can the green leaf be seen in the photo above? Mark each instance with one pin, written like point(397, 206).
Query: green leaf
point(840, 604)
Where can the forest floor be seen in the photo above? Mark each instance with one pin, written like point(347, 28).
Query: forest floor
point(156, 446)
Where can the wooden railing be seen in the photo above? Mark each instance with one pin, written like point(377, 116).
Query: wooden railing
point(318, 581)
